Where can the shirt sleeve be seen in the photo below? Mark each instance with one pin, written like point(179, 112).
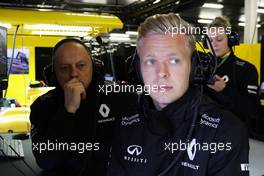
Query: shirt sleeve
point(248, 97)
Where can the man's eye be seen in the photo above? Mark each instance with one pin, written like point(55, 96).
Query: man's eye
point(80, 66)
point(64, 67)
point(174, 61)
point(150, 62)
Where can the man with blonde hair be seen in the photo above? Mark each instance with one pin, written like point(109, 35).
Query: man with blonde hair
point(178, 130)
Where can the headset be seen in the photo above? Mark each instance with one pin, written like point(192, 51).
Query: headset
point(49, 72)
point(232, 40)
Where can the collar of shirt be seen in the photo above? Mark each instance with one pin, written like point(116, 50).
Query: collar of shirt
point(222, 59)
point(170, 118)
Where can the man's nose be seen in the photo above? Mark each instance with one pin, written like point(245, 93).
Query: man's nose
point(214, 43)
point(74, 72)
point(163, 70)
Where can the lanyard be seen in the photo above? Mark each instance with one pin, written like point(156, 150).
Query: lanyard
point(223, 59)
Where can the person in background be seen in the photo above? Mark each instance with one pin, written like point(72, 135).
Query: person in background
point(176, 123)
point(236, 80)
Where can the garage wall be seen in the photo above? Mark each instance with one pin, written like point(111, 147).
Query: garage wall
point(19, 83)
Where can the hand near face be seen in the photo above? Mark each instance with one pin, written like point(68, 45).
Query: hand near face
point(74, 92)
point(219, 84)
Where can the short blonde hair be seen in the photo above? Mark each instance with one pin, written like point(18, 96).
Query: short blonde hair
point(221, 21)
point(158, 24)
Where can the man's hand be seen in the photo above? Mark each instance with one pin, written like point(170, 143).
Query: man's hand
point(74, 92)
point(219, 84)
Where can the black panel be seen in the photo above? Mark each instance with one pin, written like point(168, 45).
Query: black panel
point(43, 58)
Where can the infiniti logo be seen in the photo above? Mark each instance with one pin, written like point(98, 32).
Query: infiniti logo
point(134, 150)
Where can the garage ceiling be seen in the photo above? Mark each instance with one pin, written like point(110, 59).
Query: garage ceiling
point(132, 12)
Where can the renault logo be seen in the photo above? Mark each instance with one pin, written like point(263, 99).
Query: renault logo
point(134, 150)
point(104, 110)
point(191, 150)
